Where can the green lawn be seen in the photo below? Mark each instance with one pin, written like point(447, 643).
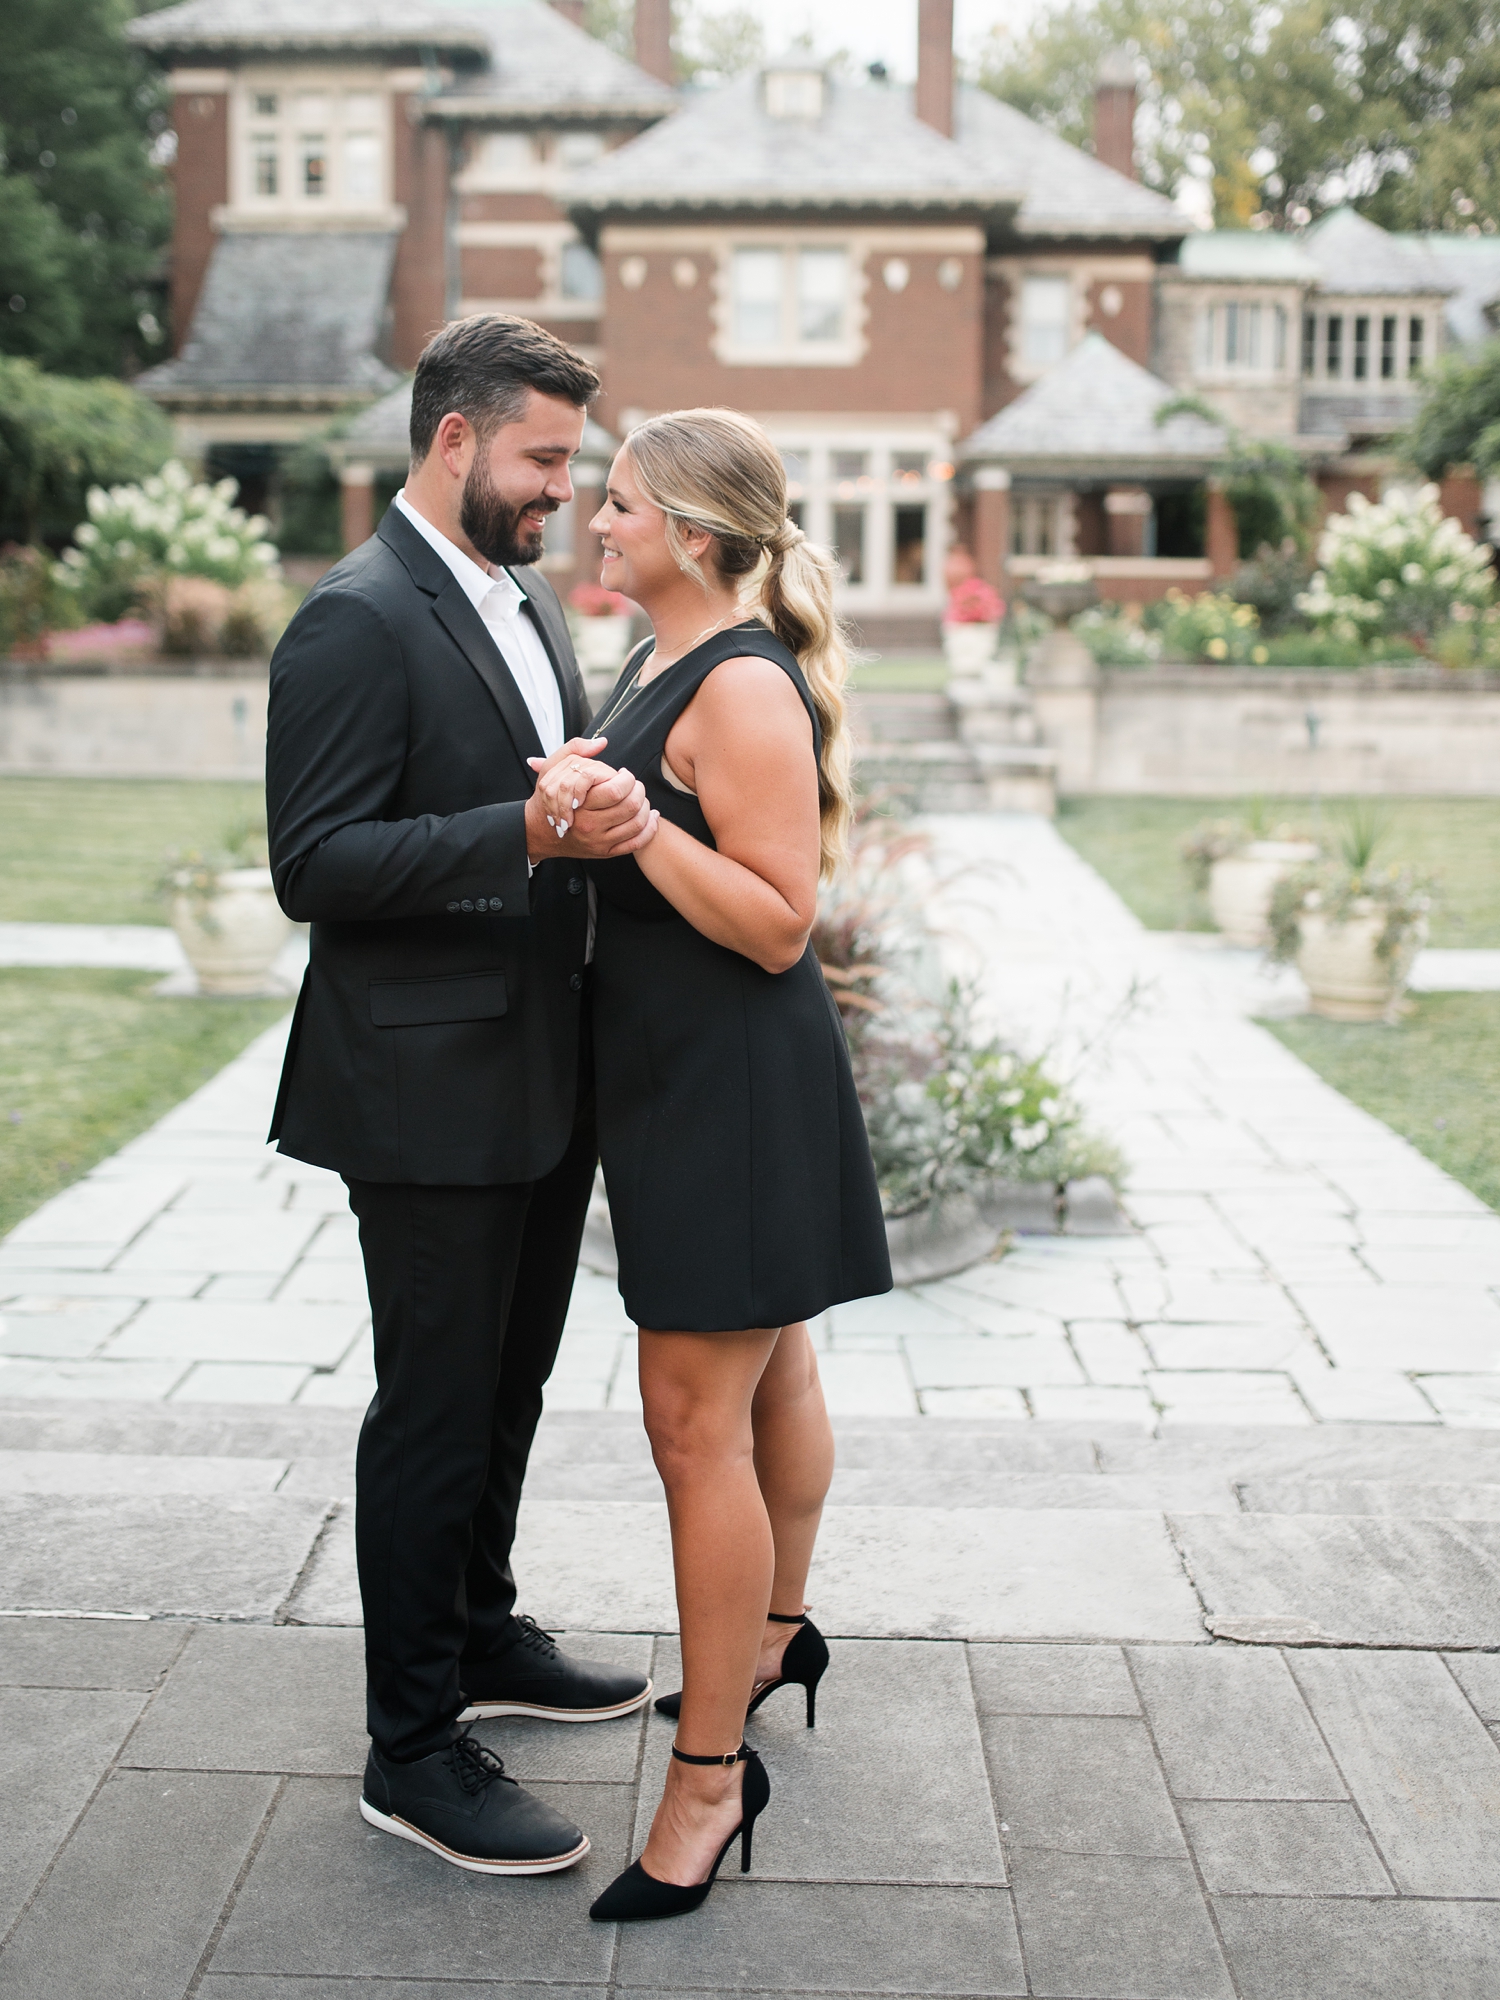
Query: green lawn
point(1435, 1078)
point(89, 850)
point(88, 1059)
point(1135, 843)
point(895, 673)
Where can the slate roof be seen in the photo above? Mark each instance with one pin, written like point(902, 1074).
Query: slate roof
point(527, 59)
point(286, 311)
point(1063, 191)
point(1471, 267)
point(1356, 255)
point(1097, 408)
point(724, 151)
point(1266, 256)
point(381, 433)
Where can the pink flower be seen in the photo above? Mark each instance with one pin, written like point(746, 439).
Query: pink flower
point(973, 602)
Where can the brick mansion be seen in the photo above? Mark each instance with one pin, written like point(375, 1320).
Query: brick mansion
point(957, 327)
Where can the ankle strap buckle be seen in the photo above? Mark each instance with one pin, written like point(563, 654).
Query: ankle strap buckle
point(733, 1757)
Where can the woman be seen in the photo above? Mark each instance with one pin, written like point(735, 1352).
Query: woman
point(739, 1174)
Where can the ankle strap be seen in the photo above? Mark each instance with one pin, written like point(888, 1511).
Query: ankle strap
point(781, 1618)
point(734, 1757)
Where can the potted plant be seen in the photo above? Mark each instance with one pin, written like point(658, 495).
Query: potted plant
point(971, 626)
point(1351, 929)
point(1239, 863)
point(601, 632)
point(225, 913)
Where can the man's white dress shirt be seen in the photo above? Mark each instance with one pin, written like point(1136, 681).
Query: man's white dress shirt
point(498, 599)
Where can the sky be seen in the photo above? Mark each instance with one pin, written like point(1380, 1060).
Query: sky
point(880, 30)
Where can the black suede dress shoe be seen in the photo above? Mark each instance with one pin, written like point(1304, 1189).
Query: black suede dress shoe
point(459, 1804)
point(533, 1676)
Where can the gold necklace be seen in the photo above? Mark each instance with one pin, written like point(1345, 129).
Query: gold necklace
point(634, 685)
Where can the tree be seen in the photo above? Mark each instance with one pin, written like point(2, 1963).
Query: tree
point(59, 437)
point(84, 208)
point(1283, 110)
point(709, 45)
point(1458, 422)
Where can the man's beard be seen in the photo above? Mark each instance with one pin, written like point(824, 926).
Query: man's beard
point(494, 526)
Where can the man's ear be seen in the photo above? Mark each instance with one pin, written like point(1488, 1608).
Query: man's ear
point(454, 442)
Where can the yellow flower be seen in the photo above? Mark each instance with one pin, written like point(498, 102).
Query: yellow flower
point(1217, 649)
point(1259, 655)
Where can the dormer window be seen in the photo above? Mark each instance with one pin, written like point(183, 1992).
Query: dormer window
point(318, 148)
point(794, 93)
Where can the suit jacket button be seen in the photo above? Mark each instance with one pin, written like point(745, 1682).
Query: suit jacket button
point(482, 905)
point(576, 982)
point(453, 909)
point(466, 904)
point(495, 904)
point(575, 885)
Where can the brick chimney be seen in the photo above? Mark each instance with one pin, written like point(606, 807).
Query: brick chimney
point(935, 65)
point(1114, 113)
point(572, 10)
point(653, 38)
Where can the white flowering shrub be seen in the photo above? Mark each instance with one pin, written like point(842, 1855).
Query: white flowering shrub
point(1398, 569)
point(136, 537)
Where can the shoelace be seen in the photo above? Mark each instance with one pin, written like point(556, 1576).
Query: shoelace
point(474, 1764)
point(531, 1634)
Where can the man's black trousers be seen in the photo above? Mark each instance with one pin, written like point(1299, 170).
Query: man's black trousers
point(469, 1288)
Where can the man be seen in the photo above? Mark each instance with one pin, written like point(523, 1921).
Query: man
point(438, 1057)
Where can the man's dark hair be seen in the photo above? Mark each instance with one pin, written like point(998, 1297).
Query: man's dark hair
point(483, 366)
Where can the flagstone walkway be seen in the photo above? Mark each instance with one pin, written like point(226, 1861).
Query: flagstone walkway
point(1162, 1570)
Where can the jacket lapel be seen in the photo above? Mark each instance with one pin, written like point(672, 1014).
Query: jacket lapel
point(467, 629)
point(546, 616)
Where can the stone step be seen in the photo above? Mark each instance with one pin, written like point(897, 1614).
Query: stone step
point(902, 716)
point(926, 776)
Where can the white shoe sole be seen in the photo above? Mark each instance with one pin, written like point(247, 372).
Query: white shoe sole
point(487, 1711)
point(404, 1830)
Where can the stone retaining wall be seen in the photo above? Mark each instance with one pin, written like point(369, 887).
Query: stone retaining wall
point(144, 725)
point(1206, 731)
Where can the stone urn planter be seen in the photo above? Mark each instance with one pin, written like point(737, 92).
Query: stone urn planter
point(1345, 976)
point(233, 933)
point(969, 648)
point(1240, 886)
point(601, 644)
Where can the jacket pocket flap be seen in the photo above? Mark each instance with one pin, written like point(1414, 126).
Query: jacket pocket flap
point(416, 1003)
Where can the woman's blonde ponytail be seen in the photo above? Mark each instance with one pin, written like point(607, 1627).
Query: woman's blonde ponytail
point(718, 470)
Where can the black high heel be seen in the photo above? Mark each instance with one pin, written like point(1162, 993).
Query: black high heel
point(636, 1897)
point(803, 1665)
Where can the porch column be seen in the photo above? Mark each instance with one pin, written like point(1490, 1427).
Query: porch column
point(992, 525)
point(1221, 535)
point(357, 503)
point(1127, 509)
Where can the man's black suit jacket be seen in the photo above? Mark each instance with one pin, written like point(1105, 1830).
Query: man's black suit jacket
point(436, 1035)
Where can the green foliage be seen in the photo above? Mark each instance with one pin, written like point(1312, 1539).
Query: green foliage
point(309, 521)
point(32, 601)
point(708, 44)
point(1458, 422)
point(1401, 568)
point(1114, 640)
point(136, 536)
point(1267, 485)
point(1282, 112)
point(84, 209)
point(1211, 626)
point(1349, 883)
point(1272, 582)
point(59, 437)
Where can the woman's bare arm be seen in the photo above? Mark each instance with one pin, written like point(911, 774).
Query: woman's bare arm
point(744, 745)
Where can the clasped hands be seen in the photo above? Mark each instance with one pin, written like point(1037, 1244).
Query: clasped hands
point(585, 808)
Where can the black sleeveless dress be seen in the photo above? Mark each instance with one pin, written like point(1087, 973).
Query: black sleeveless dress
point(739, 1174)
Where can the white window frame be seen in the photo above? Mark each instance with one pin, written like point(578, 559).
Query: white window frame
point(1065, 286)
point(1230, 327)
point(285, 129)
point(790, 349)
point(1377, 309)
point(879, 492)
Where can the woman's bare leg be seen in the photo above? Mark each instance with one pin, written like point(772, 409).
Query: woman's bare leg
point(697, 1391)
point(794, 1464)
